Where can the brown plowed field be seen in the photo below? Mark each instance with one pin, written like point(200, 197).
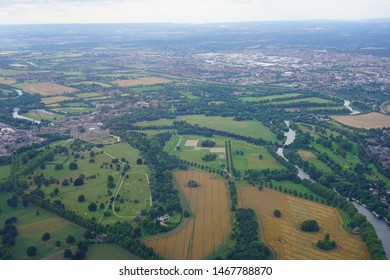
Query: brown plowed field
point(370, 120)
point(148, 81)
point(208, 228)
point(283, 234)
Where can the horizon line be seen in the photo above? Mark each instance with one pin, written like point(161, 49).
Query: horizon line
point(201, 23)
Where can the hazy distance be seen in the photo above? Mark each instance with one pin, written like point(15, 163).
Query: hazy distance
point(186, 11)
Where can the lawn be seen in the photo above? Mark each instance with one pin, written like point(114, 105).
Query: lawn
point(4, 171)
point(32, 226)
point(254, 129)
point(104, 85)
point(314, 100)
point(132, 197)
point(47, 116)
point(289, 185)
point(195, 153)
point(108, 251)
point(146, 88)
point(121, 150)
point(88, 95)
point(312, 158)
point(249, 159)
point(269, 97)
point(94, 189)
point(55, 99)
point(74, 110)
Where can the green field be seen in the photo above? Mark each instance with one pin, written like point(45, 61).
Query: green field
point(298, 187)
point(146, 88)
point(4, 171)
point(47, 117)
point(253, 129)
point(269, 97)
point(90, 83)
point(89, 95)
point(31, 228)
point(108, 251)
point(193, 155)
point(77, 104)
point(76, 110)
point(95, 189)
point(312, 158)
point(6, 72)
point(249, 159)
point(314, 100)
point(152, 132)
point(121, 150)
point(330, 108)
point(132, 197)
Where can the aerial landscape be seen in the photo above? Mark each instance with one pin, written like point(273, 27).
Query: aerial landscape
point(243, 140)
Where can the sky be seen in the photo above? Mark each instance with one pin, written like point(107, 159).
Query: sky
point(186, 11)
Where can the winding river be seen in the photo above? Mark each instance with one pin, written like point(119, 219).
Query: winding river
point(15, 113)
point(291, 134)
point(347, 104)
point(380, 226)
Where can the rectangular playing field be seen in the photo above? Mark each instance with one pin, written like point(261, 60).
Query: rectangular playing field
point(209, 225)
point(283, 234)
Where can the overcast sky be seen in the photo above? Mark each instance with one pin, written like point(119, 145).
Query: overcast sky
point(186, 11)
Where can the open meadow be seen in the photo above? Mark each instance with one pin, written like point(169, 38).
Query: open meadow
point(5, 171)
point(32, 223)
point(245, 156)
point(131, 192)
point(269, 97)
point(207, 228)
point(283, 234)
point(312, 158)
point(254, 129)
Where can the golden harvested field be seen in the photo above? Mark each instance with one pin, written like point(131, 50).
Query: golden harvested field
point(7, 81)
point(209, 226)
point(370, 120)
point(283, 234)
point(46, 89)
point(306, 155)
point(147, 81)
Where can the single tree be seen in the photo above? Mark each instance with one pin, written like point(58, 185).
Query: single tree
point(67, 253)
point(277, 213)
point(70, 239)
point(82, 246)
point(46, 236)
point(31, 251)
point(92, 207)
point(73, 166)
point(81, 198)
